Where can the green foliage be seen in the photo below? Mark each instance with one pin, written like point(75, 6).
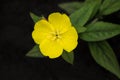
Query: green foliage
point(100, 31)
point(70, 7)
point(81, 29)
point(97, 4)
point(35, 52)
point(34, 17)
point(104, 56)
point(109, 6)
point(80, 17)
point(85, 18)
point(68, 57)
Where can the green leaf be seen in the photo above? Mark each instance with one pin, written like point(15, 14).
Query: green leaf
point(105, 57)
point(80, 17)
point(100, 31)
point(96, 8)
point(81, 29)
point(34, 17)
point(109, 6)
point(35, 52)
point(68, 56)
point(70, 7)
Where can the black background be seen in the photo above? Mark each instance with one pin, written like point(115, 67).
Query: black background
point(15, 41)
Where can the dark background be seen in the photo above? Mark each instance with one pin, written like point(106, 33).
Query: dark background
point(15, 41)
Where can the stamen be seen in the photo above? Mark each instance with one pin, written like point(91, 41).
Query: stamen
point(55, 35)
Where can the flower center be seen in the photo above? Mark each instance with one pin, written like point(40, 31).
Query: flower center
point(55, 35)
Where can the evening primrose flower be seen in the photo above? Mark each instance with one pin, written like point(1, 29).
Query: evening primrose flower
point(55, 35)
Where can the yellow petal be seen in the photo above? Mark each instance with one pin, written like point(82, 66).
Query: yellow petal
point(51, 48)
point(69, 39)
point(41, 30)
point(43, 25)
point(59, 21)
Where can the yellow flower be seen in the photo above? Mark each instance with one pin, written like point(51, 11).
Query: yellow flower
point(55, 35)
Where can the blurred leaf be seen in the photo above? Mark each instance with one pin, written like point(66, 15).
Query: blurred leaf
point(104, 56)
point(97, 6)
point(80, 17)
point(34, 17)
point(68, 56)
point(81, 29)
point(35, 52)
point(100, 31)
point(70, 7)
point(110, 6)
